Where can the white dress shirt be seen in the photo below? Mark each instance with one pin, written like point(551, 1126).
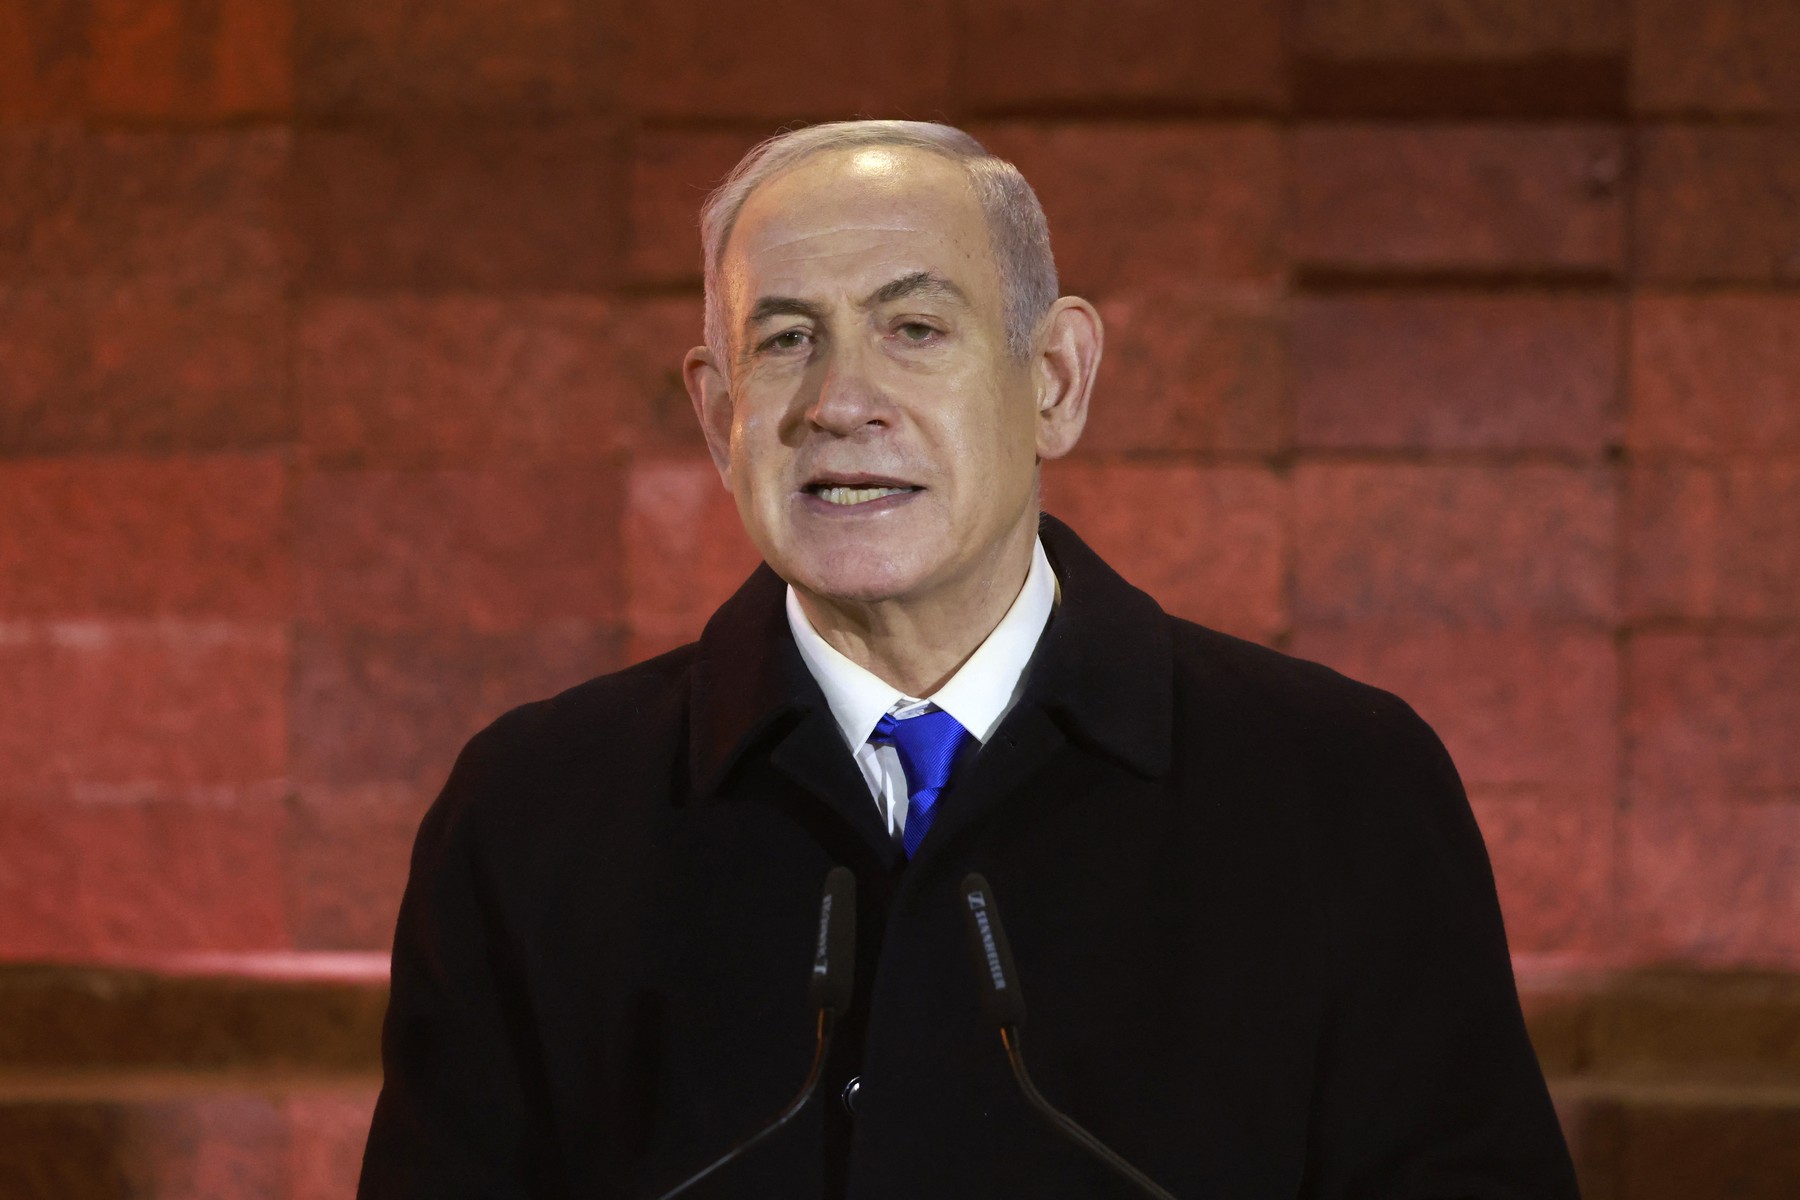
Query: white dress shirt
point(983, 690)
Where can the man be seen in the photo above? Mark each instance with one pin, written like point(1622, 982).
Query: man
point(1246, 896)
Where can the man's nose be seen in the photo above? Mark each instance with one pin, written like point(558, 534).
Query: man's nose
point(849, 398)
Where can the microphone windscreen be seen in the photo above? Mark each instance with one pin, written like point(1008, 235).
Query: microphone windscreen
point(834, 958)
point(999, 982)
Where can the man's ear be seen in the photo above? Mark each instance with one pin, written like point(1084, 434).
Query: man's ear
point(709, 388)
point(1068, 357)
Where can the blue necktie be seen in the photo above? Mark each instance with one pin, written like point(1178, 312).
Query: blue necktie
point(927, 744)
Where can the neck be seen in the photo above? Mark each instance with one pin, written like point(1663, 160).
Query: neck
point(917, 643)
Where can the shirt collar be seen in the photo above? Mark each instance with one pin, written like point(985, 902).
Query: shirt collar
point(1103, 671)
point(979, 695)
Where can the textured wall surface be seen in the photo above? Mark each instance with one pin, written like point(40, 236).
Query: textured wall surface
point(1455, 343)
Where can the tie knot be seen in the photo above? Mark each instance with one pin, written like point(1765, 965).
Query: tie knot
point(928, 745)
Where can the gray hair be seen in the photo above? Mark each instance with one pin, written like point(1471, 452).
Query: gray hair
point(1016, 225)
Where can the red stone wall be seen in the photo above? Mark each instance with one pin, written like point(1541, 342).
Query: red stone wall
point(1452, 342)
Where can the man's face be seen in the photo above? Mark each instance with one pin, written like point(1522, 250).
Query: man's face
point(879, 439)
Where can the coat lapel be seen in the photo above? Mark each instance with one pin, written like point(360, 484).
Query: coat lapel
point(1105, 668)
point(813, 755)
point(1102, 678)
point(752, 691)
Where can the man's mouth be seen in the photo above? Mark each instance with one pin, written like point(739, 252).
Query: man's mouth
point(857, 493)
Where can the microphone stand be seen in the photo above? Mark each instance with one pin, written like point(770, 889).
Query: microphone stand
point(827, 1020)
point(1009, 1037)
point(1004, 1006)
point(830, 989)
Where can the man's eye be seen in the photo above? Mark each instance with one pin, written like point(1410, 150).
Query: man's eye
point(787, 339)
point(916, 331)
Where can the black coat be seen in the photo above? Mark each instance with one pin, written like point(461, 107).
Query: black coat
point(1253, 918)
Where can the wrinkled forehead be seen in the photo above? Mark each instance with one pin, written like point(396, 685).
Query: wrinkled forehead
point(850, 217)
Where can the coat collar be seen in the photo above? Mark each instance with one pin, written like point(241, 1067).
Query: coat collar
point(1103, 669)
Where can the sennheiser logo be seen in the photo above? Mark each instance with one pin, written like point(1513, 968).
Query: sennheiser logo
point(978, 908)
point(822, 958)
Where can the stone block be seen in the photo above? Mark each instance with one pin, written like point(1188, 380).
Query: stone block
point(1454, 545)
point(1552, 854)
point(185, 60)
point(224, 1147)
point(279, 1018)
point(1209, 543)
point(1493, 199)
point(1713, 542)
point(108, 705)
point(1680, 1082)
point(347, 851)
point(1736, 1028)
point(774, 63)
point(1710, 719)
point(651, 337)
point(43, 59)
point(1729, 57)
point(179, 213)
point(326, 1135)
point(1436, 30)
point(1140, 205)
point(1715, 374)
point(1552, 87)
point(448, 206)
point(484, 549)
point(1712, 883)
point(1680, 1151)
point(1716, 204)
point(188, 537)
point(1437, 58)
point(1020, 56)
point(672, 173)
point(1446, 370)
point(462, 380)
point(231, 1141)
point(686, 551)
point(98, 367)
point(526, 58)
point(1190, 370)
point(140, 868)
point(373, 706)
point(170, 60)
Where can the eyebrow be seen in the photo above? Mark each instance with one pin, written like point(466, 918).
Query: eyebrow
point(916, 283)
point(919, 283)
point(782, 306)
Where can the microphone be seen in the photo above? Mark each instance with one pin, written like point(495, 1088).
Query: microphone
point(1004, 1006)
point(829, 990)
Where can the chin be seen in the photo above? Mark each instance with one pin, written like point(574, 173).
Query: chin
point(864, 574)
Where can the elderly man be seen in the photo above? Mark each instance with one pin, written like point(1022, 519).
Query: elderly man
point(1245, 895)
